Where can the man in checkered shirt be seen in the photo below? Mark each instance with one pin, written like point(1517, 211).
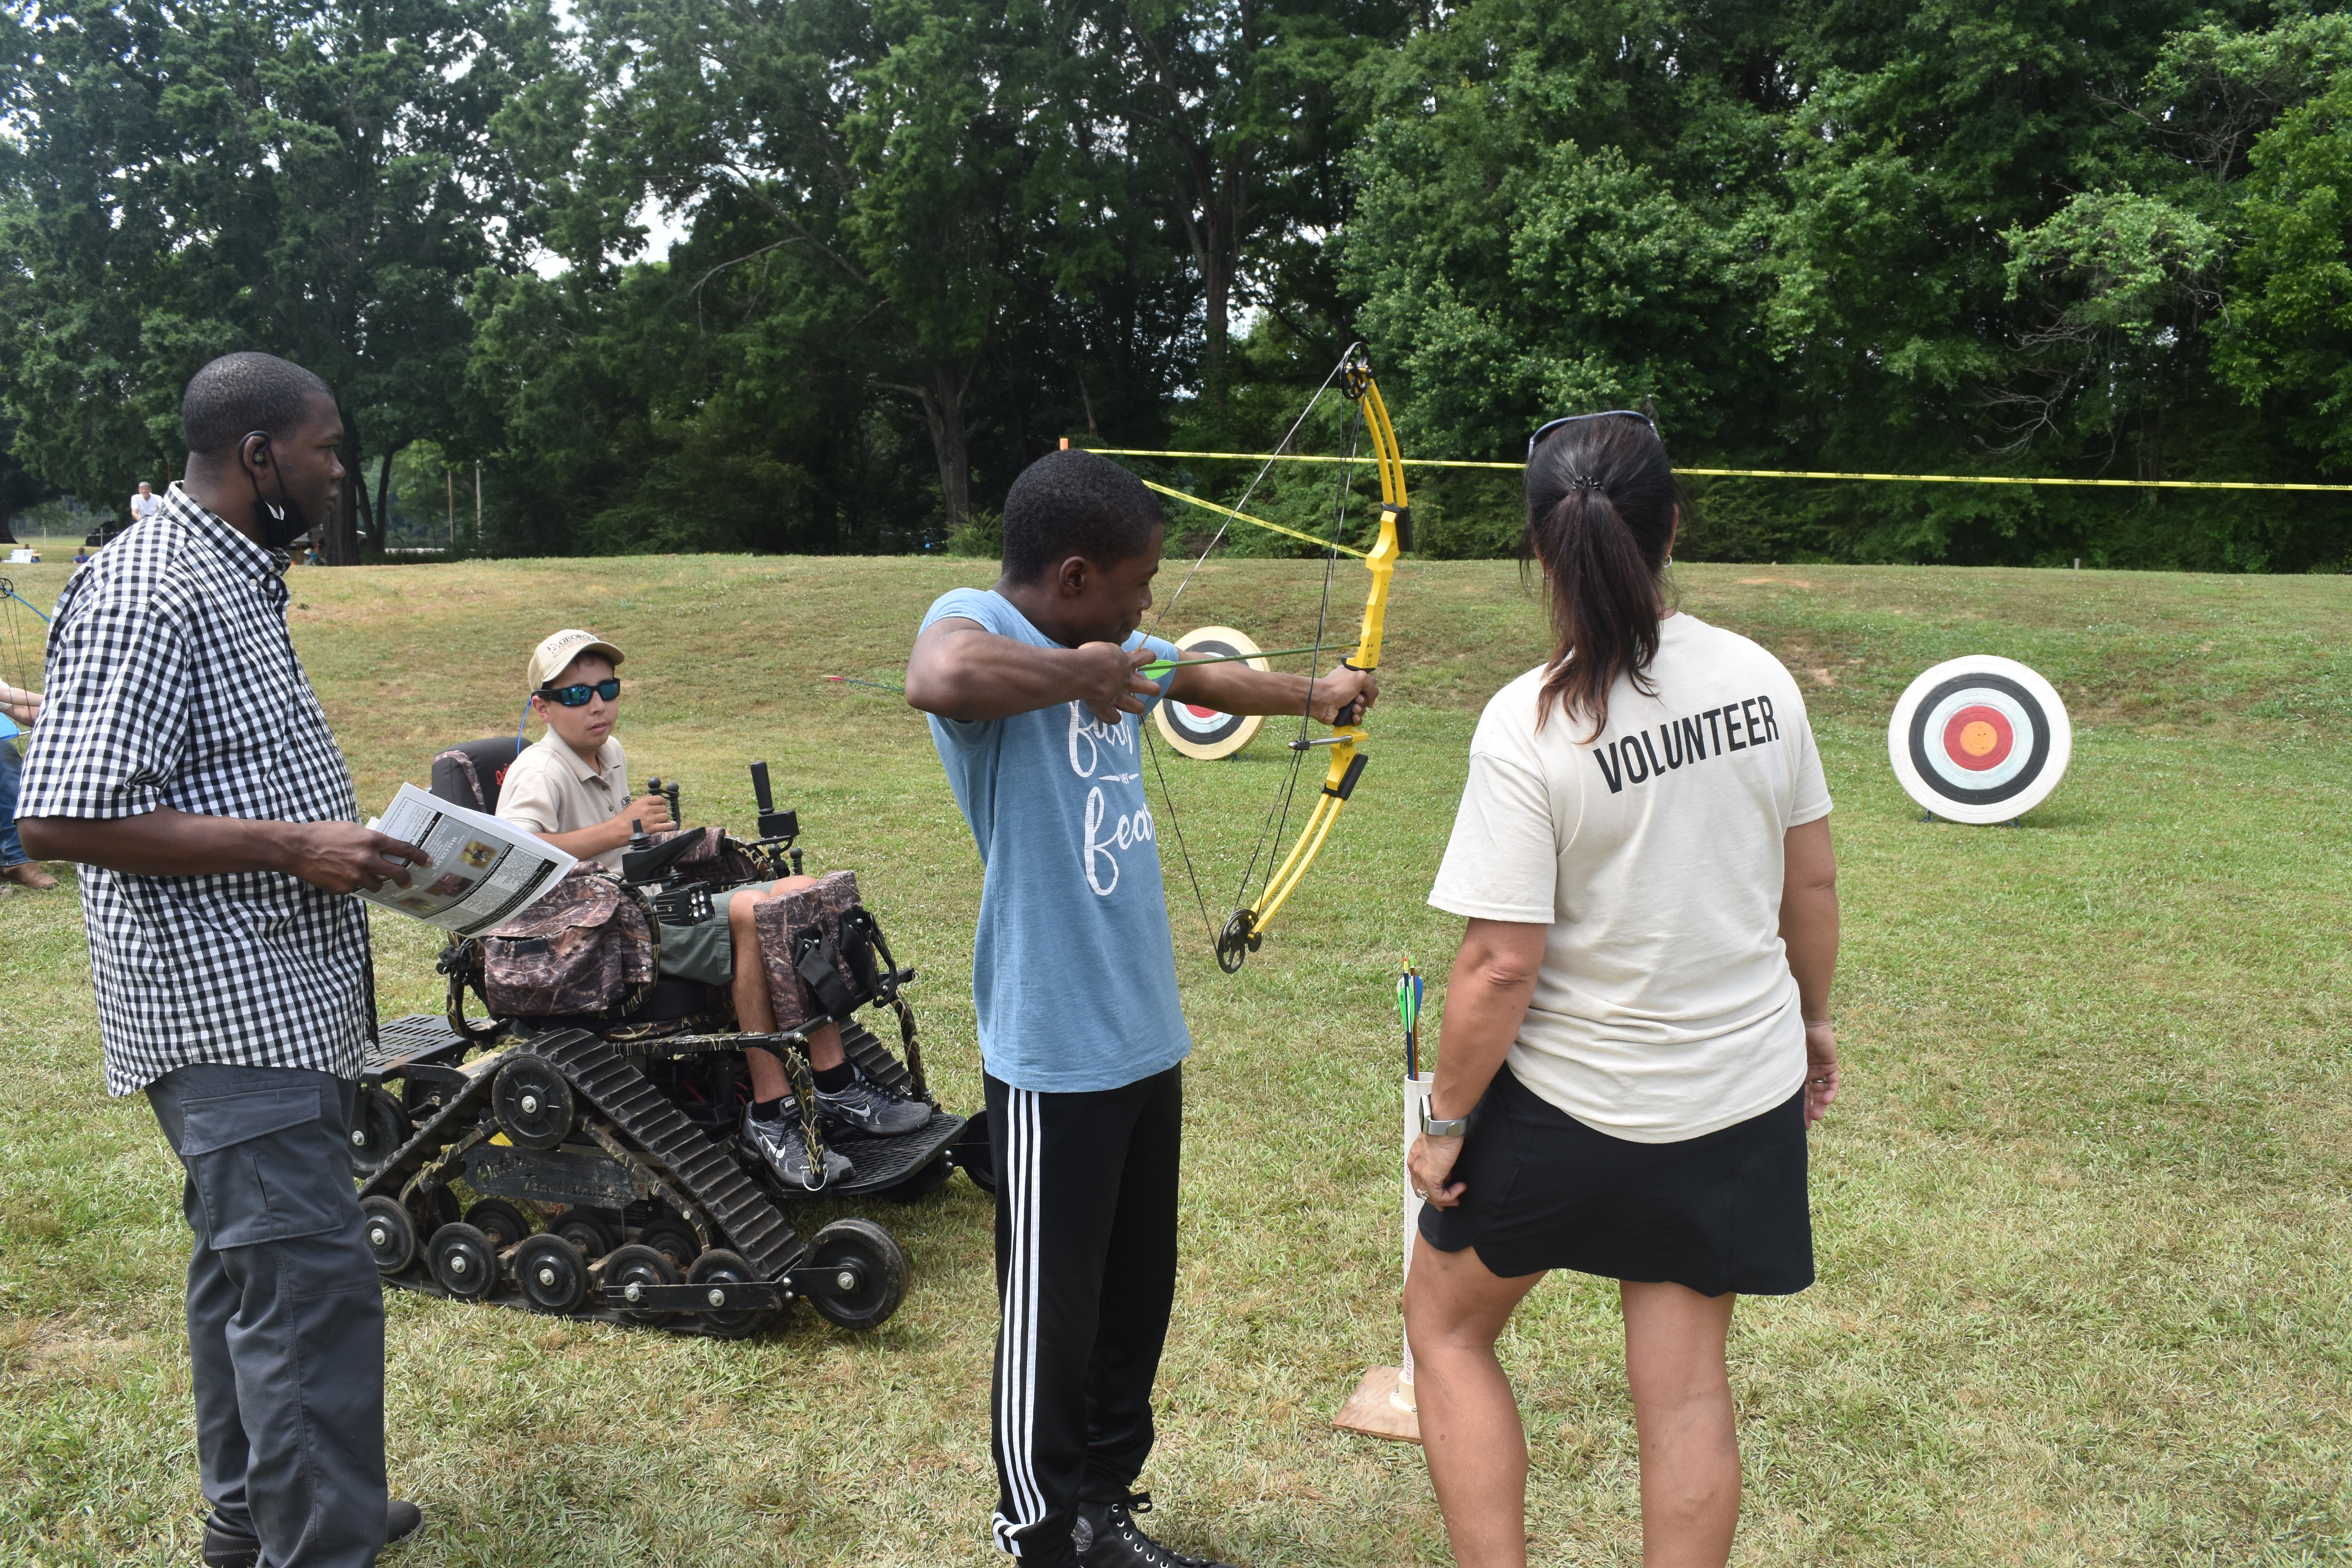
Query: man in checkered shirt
point(183, 762)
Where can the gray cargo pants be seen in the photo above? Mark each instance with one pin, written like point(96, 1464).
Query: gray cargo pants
point(285, 1311)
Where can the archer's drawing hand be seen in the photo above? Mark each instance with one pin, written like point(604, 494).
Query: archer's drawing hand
point(1345, 696)
point(343, 857)
point(1429, 1162)
point(1110, 683)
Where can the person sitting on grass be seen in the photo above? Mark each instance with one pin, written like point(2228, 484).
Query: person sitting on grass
point(573, 789)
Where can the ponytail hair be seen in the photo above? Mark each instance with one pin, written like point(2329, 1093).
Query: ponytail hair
point(1602, 505)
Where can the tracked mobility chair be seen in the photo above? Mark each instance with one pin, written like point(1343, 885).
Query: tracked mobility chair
point(586, 1163)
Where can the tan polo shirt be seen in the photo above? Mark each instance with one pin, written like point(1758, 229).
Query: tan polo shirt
point(551, 790)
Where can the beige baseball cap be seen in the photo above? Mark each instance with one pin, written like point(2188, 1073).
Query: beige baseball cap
point(548, 658)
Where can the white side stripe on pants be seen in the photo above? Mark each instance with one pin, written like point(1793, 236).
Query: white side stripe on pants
point(1016, 1393)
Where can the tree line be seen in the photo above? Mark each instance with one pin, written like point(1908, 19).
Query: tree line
point(920, 241)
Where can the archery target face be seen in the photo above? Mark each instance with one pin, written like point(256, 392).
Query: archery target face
point(1980, 740)
point(1205, 733)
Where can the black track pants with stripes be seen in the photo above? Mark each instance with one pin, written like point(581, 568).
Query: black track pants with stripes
point(1086, 1273)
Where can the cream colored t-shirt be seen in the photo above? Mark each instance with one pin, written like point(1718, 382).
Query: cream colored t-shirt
point(551, 790)
point(1666, 1009)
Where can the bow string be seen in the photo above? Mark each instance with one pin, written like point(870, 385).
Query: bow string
point(1243, 932)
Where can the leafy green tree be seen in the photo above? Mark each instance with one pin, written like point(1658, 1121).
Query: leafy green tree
point(928, 178)
point(313, 178)
point(1237, 110)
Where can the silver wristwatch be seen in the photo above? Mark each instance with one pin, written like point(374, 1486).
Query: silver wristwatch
point(1450, 1127)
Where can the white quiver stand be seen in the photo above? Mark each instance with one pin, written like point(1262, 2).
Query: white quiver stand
point(1382, 1404)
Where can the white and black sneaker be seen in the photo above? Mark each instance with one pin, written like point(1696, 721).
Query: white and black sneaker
point(864, 1110)
point(1106, 1536)
point(781, 1145)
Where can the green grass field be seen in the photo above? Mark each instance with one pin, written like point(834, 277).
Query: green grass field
point(2081, 1215)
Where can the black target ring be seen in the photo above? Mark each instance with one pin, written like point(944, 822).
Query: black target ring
point(2036, 761)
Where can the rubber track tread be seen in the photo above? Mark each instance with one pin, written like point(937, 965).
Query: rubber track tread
point(709, 1175)
point(444, 1127)
point(876, 1062)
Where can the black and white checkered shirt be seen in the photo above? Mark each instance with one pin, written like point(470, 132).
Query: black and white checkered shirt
point(172, 682)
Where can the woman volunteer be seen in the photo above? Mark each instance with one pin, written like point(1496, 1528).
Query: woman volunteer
point(1636, 1033)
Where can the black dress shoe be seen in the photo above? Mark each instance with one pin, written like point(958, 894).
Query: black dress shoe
point(226, 1546)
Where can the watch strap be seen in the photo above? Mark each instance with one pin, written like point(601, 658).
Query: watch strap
point(1446, 1127)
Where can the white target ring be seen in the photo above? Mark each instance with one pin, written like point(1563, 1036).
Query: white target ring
point(1980, 740)
point(1205, 733)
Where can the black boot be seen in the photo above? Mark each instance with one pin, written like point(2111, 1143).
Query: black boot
point(1108, 1537)
point(228, 1546)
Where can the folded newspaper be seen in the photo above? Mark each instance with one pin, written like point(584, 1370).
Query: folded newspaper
point(484, 872)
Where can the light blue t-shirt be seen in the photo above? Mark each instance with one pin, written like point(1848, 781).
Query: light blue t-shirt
point(1074, 969)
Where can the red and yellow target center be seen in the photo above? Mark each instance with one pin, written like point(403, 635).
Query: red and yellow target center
point(1979, 738)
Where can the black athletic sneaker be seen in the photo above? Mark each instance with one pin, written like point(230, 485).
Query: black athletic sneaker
point(228, 1546)
point(1106, 1536)
point(868, 1112)
point(781, 1145)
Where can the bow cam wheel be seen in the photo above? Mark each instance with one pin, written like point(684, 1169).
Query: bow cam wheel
point(629, 1269)
point(1237, 941)
point(380, 1127)
point(464, 1261)
point(869, 1271)
point(390, 1235)
point(533, 1102)
point(501, 1221)
point(552, 1274)
point(720, 1266)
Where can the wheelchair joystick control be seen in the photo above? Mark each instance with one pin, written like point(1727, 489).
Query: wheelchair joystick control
point(773, 823)
point(638, 838)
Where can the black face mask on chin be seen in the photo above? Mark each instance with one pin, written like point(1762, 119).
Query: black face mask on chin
point(281, 523)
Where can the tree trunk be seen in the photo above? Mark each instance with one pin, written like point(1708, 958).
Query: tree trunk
point(383, 502)
point(339, 545)
point(1216, 289)
point(6, 513)
point(942, 402)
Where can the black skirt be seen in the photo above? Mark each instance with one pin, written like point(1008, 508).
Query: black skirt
point(1725, 1211)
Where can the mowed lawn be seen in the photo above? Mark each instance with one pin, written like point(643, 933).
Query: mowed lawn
point(2080, 1215)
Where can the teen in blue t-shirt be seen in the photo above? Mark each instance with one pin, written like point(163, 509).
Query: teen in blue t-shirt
point(1036, 693)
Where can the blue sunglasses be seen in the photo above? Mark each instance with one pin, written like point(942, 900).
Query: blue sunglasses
point(577, 696)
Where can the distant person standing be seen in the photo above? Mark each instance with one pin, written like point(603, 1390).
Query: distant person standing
point(145, 503)
point(183, 761)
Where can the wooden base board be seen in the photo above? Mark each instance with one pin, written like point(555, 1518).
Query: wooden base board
point(1373, 1409)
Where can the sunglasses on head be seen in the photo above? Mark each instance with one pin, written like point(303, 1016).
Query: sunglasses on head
point(1544, 430)
point(577, 696)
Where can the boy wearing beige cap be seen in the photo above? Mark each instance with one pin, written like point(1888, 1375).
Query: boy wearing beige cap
point(572, 789)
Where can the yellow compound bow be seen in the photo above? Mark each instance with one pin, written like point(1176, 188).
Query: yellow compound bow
point(1244, 932)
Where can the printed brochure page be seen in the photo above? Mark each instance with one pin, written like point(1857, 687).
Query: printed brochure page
point(484, 872)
